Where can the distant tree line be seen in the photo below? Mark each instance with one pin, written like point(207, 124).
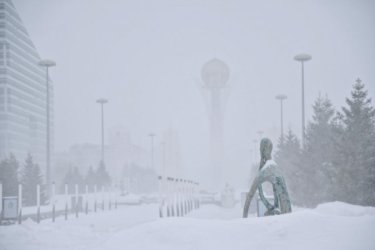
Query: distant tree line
point(337, 162)
point(98, 177)
point(29, 176)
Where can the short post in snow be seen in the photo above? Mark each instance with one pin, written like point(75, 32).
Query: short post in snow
point(160, 196)
point(95, 203)
point(66, 201)
point(177, 199)
point(190, 197)
point(181, 197)
point(102, 198)
point(1, 201)
point(185, 199)
point(109, 198)
point(87, 199)
point(53, 201)
point(198, 197)
point(116, 199)
point(19, 203)
point(38, 203)
point(76, 199)
point(172, 196)
point(168, 197)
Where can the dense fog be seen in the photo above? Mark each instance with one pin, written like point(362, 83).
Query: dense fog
point(146, 59)
point(172, 98)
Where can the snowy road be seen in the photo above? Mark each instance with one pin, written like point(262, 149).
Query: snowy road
point(86, 232)
point(330, 226)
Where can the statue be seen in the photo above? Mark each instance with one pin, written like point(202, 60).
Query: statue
point(269, 172)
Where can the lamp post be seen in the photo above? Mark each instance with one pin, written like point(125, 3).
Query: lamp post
point(102, 101)
point(303, 58)
point(47, 64)
point(152, 135)
point(281, 98)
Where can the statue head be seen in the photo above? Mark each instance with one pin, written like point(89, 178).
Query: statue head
point(265, 151)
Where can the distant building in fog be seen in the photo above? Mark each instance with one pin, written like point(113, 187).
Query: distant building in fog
point(171, 163)
point(22, 91)
point(215, 75)
point(126, 162)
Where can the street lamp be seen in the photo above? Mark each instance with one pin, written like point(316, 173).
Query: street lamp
point(102, 101)
point(47, 64)
point(152, 135)
point(281, 98)
point(303, 58)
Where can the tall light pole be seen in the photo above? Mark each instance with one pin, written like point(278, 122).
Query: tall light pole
point(47, 64)
point(303, 58)
point(102, 101)
point(281, 98)
point(152, 135)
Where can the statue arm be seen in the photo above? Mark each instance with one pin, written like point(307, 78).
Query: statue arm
point(285, 204)
point(250, 196)
point(276, 197)
point(264, 200)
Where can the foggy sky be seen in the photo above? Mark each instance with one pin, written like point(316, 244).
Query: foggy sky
point(146, 57)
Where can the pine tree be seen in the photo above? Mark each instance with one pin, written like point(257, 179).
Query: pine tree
point(319, 152)
point(9, 175)
point(357, 155)
point(288, 157)
point(31, 176)
point(72, 178)
point(67, 179)
point(103, 178)
point(91, 179)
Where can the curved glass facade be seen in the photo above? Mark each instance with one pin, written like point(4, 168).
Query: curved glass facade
point(22, 91)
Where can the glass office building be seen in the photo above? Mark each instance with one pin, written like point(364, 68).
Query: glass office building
point(22, 91)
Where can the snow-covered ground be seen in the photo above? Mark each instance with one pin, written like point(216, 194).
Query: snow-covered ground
point(329, 226)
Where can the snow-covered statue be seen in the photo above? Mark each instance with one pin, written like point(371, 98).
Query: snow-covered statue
point(269, 172)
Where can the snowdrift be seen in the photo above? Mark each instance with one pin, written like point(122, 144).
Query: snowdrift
point(330, 226)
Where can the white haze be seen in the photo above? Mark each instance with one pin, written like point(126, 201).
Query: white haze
point(146, 57)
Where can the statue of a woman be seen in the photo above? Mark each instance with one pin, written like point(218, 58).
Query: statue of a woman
point(269, 172)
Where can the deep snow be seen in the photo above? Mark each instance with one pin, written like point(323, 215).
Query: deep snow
point(330, 226)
